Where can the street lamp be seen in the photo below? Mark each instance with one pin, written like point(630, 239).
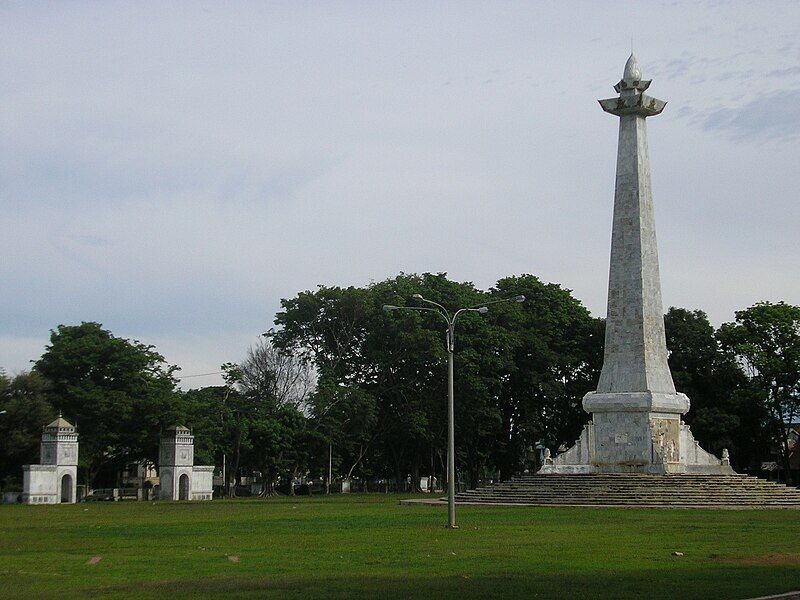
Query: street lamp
point(450, 341)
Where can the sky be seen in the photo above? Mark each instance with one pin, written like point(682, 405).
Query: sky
point(173, 170)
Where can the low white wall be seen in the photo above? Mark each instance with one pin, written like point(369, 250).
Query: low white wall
point(202, 482)
point(38, 484)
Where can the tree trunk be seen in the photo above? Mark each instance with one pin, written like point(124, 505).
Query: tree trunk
point(362, 450)
point(785, 453)
point(264, 493)
point(784, 427)
point(431, 484)
point(399, 481)
point(415, 478)
point(236, 456)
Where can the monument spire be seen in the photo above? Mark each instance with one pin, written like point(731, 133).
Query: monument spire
point(632, 71)
point(636, 411)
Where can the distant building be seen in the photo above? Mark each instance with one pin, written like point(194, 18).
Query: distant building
point(774, 468)
point(141, 476)
point(54, 480)
point(179, 477)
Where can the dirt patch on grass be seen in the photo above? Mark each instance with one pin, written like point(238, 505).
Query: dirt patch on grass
point(768, 560)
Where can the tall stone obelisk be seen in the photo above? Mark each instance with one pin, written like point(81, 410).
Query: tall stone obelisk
point(636, 425)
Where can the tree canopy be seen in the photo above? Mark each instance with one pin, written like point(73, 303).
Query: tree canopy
point(521, 371)
point(340, 381)
point(765, 341)
point(118, 391)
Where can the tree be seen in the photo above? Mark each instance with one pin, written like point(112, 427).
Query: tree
point(552, 351)
point(207, 412)
point(325, 327)
point(765, 340)
point(406, 354)
point(276, 376)
point(266, 411)
point(120, 394)
point(722, 414)
point(277, 445)
point(364, 356)
point(344, 417)
point(521, 371)
point(25, 410)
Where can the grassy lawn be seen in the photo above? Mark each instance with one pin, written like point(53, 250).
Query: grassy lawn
point(369, 545)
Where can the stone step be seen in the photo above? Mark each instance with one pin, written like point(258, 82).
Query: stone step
point(627, 489)
point(662, 499)
point(632, 500)
point(646, 491)
point(638, 497)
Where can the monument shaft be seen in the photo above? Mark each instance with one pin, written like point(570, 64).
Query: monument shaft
point(635, 350)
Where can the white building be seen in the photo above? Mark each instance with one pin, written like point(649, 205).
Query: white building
point(54, 480)
point(179, 478)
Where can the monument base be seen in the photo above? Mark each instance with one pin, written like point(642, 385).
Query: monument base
point(636, 432)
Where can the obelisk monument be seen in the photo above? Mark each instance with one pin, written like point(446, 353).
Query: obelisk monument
point(636, 425)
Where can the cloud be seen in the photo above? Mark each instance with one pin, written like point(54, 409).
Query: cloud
point(774, 117)
point(784, 72)
point(173, 172)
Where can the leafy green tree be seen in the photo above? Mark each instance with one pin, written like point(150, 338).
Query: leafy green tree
point(552, 351)
point(723, 415)
point(120, 394)
point(407, 354)
point(326, 327)
point(24, 411)
point(521, 371)
point(266, 412)
point(238, 416)
point(765, 340)
point(278, 444)
point(343, 419)
point(207, 412)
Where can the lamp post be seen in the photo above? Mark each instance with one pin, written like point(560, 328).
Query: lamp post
point(450, 343)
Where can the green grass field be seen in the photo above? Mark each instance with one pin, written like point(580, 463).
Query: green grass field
point(369, 545)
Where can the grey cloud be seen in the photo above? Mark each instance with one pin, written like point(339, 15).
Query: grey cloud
point(774, 117)
point(784, 72)
point(735, 75)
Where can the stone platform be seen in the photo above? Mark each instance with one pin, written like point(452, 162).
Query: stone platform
point(622, 489)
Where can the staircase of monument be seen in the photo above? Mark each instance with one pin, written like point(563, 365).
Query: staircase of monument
point(624, 489)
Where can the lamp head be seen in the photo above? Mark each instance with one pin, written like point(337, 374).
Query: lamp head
point(390, 307)
point(417, 297)
point(483, 310)
point(519, 298)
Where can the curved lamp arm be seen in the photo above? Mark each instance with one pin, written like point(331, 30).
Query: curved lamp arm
point(391, 307)
point(517, 299)
point(436, 304)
